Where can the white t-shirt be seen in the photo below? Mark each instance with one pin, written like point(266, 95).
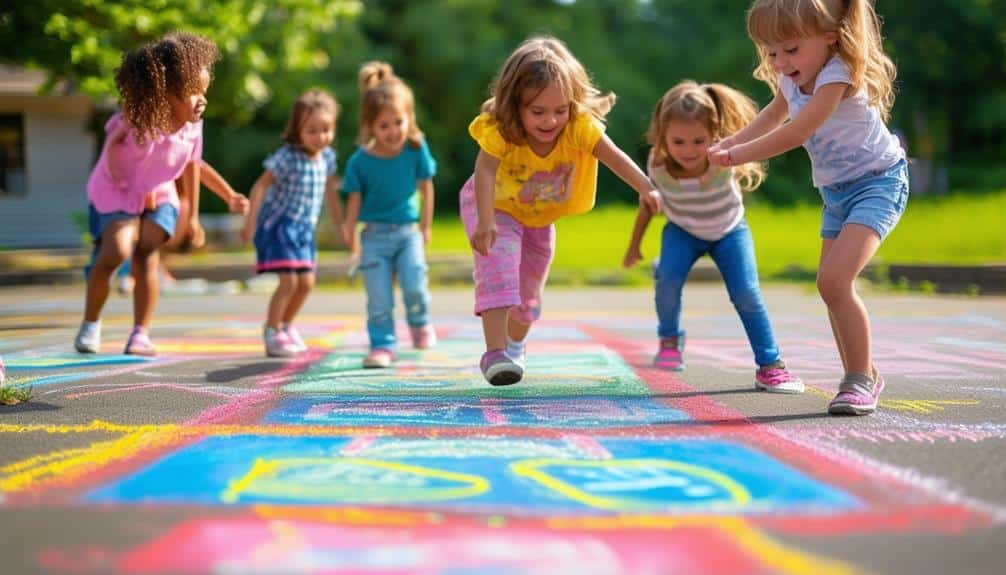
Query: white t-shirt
point(853, 141)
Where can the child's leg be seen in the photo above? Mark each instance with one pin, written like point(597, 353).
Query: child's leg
point(410, 264)
point(840, 266)
point(735, 257)
point(376, 265)
point(116, 245)
point(537, 253)
point(825, 249)
point(145, 263)
point(678, 252)
point(280, 299)
point(302, 286)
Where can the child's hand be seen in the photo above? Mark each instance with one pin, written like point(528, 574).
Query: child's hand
point(150, 202)
point(198, 233)
point(484, 237)
point(347, 233)
point(427, 235)
point(238, 204)
point(652, 201)
point(719, 156)
point(632, 257)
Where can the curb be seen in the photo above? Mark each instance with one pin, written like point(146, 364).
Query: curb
point(63, 267)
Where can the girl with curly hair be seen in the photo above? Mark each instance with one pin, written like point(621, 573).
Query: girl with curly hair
point(155, 139)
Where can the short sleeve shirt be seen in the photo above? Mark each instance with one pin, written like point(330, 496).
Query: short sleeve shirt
point(298, 186)
point(853, 141)
point(151, 167)
point(387, 186)
point(538, 190)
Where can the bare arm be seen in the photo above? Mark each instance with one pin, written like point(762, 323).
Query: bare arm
point(212, 179)
point(790, 135)
point(352, 217)
point(484, 237)
point(332, 187)
point(768, 119)
point(426, 218)
point(257, 194)
point(619, 162)
point(188, 190)
point(633, 254)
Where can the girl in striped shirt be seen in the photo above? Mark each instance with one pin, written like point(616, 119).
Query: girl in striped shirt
point(705, 213)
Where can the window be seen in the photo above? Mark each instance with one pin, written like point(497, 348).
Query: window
point(13, 181)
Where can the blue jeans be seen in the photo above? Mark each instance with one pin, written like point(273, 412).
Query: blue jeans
point(387, 250)
point(735, 258)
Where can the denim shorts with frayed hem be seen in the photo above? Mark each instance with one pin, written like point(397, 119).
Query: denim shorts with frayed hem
point(876, 200)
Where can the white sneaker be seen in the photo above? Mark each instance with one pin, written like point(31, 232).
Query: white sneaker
point(295, 339)
point(277, 344)
point(88, 338)
point(517, 351)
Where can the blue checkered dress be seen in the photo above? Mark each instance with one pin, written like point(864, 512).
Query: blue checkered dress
point(284, 234)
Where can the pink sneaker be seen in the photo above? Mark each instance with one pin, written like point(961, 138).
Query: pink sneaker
point(775, 378)
point(423, 337)
point(499, 369)
point(858, 394)
point(379, 358)
point(669, 355)
point(278, 344)
point(139, 343)
point(295, 339)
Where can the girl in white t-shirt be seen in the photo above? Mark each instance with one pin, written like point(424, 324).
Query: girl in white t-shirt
point(833, 83)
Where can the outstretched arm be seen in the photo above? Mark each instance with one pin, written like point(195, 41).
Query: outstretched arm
point(484, 237)
point(619, 162)
point(768, 119)
point(426, 218)
point(258, 191)
point(188, 191)
point(212, 179)
point(633, 254)
point(790, 135)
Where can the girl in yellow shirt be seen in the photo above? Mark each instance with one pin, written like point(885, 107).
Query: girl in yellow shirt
point(540, 137)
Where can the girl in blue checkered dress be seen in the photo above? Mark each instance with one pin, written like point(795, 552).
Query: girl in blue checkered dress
point(286, 201)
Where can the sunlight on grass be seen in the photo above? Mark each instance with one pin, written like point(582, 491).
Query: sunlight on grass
point(955, 229)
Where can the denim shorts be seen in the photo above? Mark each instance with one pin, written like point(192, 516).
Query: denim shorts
point(875, 200)
point(165, 216)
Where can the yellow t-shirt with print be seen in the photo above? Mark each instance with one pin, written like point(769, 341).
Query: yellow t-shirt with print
point(538, 190)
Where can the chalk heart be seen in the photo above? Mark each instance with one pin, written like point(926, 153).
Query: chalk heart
point(352, 480)
point(635, 484)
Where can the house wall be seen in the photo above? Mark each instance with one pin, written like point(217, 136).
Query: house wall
point(59, 153)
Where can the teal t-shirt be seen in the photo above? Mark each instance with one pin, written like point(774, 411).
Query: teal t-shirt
point(387, 186)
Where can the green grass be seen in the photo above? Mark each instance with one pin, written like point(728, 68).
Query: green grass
point(953, 229)
point(10, 395)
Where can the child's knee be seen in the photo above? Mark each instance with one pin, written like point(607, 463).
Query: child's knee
point(833, 287)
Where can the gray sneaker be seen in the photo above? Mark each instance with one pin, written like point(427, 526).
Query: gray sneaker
point(88, 338)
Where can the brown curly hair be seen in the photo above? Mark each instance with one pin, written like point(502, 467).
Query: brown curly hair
point(380, 88)
point(171, 65)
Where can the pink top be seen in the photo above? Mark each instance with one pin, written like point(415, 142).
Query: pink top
point(153, 167)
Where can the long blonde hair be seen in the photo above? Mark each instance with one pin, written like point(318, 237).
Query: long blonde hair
point(721, 109)
point(532, 67)
point(379, 89)
point(859, 44)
